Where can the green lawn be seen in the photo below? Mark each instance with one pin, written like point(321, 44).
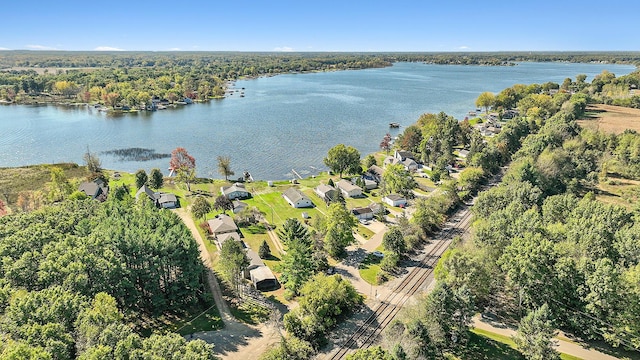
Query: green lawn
point(507, 341)
point(369, 269)
point(364, 232)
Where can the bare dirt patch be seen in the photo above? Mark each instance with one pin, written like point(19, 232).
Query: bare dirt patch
point(611, 119)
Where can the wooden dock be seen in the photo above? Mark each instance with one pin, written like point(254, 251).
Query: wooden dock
point(296, 174)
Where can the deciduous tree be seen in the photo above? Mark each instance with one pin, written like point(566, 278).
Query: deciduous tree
point(535, 334)
point(339, 230)
point(224, 167)
point(343, 159)
point(184, 166)
point(201, 207)
point(486, 100)
point(141, 178)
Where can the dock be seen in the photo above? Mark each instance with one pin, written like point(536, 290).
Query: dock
point(296, 174)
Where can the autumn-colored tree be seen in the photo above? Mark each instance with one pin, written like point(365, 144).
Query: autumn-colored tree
point(184, 166)
point(385, 144)
point(111, 99)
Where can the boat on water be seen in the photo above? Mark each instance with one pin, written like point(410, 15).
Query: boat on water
point(394, 125)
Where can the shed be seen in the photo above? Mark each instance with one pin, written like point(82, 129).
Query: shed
point(263, 279)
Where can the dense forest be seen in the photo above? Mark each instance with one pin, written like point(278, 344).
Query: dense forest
point(77, 276)
point(134, 78)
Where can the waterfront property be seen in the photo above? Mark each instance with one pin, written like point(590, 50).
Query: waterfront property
point(296, 198)
point(235, 191)
point(348, 189)
point(95, 189)
point(159, 199)
point(223, 228)
point(326, 192)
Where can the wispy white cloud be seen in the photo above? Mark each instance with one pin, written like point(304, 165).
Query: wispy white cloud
point(463, 47)
point(40, 47)
point(1, 48)
point(107, 48)
point(283, 49)
point(175, 49)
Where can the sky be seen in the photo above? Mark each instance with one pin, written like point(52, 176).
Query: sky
point(308, 26)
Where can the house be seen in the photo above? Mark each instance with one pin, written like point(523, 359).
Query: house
point(163, 200)
point(238, 206)
point(377, 208)
point(260, 275)
point(395, 200)
point(235, 191)
point(403, 155)
point(463, 154)
point(409, 164)
point(326, 192)
point(374, 173)
point(391, 160)
point(348, 189)
point(95, 189)
point(296, 198)
point(369, 184)
point(363, 213)
point(222, 228)
point(167, 201)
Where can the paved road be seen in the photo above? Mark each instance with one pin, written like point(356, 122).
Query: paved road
point(562, 346)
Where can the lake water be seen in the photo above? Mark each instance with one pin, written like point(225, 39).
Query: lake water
point(282, 123)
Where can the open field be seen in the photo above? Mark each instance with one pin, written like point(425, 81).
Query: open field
point(611, 119)
point(619, 191)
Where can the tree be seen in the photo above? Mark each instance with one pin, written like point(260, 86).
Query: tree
point(156, 179)
point(265, 251)
point(486, 100)
point(296, 266)
point(393, 241)
point(201, 207)
point(372, 353)
point(535, 334)
point(92, 161)
point(293, 229)
point(410, 138)
point(385, 144)
point(343, 159)
point(141, 178)
point(396, 179)
point(184, 165)
point(289, 348)
point(222, 203)
point(59, 187)
point(224, 167)
point(369, 161)
point(233, 260)
point(111, 99)
point(339, 230)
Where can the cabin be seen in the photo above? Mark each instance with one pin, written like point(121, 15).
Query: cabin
point(167, 201)
point(95, 189)
point(363, 213)
point(235, 191)
point(395, 200)
point(348, 189)
point(326, 192)
point(222, 225)
point(296, 198)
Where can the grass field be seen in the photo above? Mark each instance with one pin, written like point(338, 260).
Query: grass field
point(369, 269)
point(489, 345)
point(619, 191)
point(610, 118)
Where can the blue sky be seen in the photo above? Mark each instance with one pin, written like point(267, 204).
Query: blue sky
point(229, 25)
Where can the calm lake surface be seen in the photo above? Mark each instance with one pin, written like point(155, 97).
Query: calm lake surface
point(282, 123)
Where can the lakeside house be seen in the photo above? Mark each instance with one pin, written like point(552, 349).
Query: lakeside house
point(403, 155)
point(374, 173)
point(326, 192)
point(95, 189)
point(235, 191)
point(296, 198)
point(408, 163)
point(395, 200)
point(348, 189)
point(159, 199)
point(223, 228)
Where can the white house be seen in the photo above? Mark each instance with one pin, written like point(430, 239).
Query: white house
point(296, 198)
point(363, 213)
point(348, 189)
point(395, 200)
point(403, 155)
point(235, 191)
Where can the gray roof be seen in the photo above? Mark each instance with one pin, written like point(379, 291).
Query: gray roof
point(93, 188)
point(144, 189)
point(166, 198)
point(294, 195)
point(395, 197)
point(362, 210)
point(324, 188)
point(237, 204)
point(254, 259)
point(222, 224)
point(347, 185)
point(375, 169)
point(405, 154)
point(233, 188)
point(262, 273)
point(227, 236)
